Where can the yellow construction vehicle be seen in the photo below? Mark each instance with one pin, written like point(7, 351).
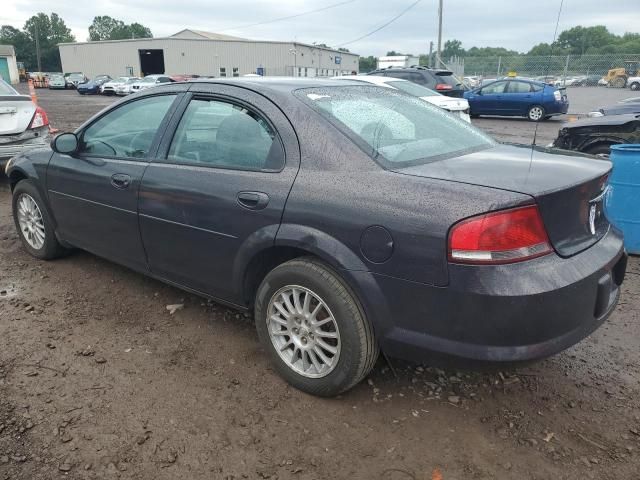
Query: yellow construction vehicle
point(617, 77)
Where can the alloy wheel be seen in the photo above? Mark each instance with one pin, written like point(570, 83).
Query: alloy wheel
point(303, 331)
point(536, 113)
point(30, 221)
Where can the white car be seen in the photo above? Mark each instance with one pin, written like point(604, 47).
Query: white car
point(457, 106)
point(109, 88)
point(634, 83)
point(23, 124)
point(149, 81)
point(125, 88)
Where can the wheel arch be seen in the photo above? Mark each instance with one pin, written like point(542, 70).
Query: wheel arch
point(295, 241)
point(597, 141)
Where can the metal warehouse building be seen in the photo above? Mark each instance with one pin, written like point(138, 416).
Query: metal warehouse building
point(194, 52)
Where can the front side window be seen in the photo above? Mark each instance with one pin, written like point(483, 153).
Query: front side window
point(128, 131)
point(497, 87)
point(397, 130)
point(219, 134)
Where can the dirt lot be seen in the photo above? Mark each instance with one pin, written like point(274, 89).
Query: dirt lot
point(98, 380)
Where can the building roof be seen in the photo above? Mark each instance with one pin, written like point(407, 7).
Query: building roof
point(191, 33)
point(7, 51)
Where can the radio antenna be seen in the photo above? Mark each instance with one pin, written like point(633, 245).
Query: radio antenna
point(546, 72)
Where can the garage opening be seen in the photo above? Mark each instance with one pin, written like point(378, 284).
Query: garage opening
point(151, 61)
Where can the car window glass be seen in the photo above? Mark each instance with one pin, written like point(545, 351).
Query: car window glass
point(518, 87)
point(536, 88)
point(396, 129)
point(415, 77)
point(220, 134)
point(497, 87)
point(128, 131)
point(402, 75)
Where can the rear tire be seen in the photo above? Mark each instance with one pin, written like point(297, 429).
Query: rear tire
point(536, 113)
point(325, 353)
point(34, 222)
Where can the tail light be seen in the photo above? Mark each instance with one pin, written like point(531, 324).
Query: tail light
point(506, 236)
point(557, 95)
point(39, 119)
point(443, 86)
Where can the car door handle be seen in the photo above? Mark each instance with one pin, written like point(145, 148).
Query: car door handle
point(120, 180)
point(253, 200)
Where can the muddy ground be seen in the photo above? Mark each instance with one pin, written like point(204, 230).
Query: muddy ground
point(98, 380)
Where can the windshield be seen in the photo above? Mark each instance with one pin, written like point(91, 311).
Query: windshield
point(56, 77)
point(76, 76)
point(413, 89)
point(6, 89)
point(148, 80)
point(396, 129)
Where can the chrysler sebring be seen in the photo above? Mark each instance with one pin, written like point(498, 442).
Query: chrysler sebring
point(349, 218)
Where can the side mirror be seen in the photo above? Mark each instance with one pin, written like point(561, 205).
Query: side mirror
point(65, 143)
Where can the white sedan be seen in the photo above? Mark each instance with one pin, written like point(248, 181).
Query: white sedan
point(148, 82)
point(23, 124)
point(458, 107)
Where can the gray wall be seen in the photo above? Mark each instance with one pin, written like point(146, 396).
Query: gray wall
point(205, 57)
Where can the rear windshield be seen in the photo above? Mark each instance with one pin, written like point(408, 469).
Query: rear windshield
point(396, 129)
point(448, 78)
point(413, 89)
point(6, 89)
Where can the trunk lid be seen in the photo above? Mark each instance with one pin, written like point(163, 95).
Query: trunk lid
point(16, 112)
point(568, 188)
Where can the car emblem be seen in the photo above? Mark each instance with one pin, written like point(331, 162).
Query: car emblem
point(592, 219)
point(594, 214)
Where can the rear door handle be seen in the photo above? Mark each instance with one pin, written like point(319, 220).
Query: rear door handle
point(120, 180)
point(253, 200)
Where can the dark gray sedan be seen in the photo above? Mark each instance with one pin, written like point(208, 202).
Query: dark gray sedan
point(349, 218)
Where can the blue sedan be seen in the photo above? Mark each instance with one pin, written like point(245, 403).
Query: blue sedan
point(93, 86)
point(519, 98)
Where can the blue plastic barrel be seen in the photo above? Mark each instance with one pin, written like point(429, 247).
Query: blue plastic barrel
point(622, 202)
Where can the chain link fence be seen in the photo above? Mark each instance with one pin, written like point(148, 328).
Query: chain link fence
point(560, 67)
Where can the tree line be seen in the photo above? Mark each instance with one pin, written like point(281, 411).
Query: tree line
point(579, 40)
point(44, 32)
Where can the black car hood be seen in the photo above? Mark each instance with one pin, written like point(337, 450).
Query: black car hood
point(605, 120)
point(516, 168)
point(621, 109)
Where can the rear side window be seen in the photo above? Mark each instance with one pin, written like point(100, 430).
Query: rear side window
point(219, 134)
point(397, 130)
point(448, 79)
point(518, 87)
point(129, 130)
point(536, 88)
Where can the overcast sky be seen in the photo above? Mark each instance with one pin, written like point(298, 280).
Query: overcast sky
point(513, 24)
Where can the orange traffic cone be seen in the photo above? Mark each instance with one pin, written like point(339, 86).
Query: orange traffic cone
point(32, 92)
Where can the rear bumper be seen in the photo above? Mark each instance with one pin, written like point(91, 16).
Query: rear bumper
point(557, 108)
point(503, 313)
point(23, 143)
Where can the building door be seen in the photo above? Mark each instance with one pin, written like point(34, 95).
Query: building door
point(151, 62)
point(4, 70)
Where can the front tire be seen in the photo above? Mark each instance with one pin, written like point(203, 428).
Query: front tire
point(34, 222)
point(313, 328)
point(635, 86)
point(536, 113)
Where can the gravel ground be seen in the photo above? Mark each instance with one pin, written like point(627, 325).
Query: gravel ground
point(98, 380)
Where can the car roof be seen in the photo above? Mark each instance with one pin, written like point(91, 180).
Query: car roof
point(280, 84)
point(373, 79)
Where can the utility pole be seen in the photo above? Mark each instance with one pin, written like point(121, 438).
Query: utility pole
point(430, 63)
point(439, 33)
point(38, 46)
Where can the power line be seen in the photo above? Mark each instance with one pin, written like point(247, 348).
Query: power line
point(280, 19)
point(381, 26)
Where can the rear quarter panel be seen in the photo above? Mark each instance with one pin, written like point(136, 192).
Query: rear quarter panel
point(340, 191)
